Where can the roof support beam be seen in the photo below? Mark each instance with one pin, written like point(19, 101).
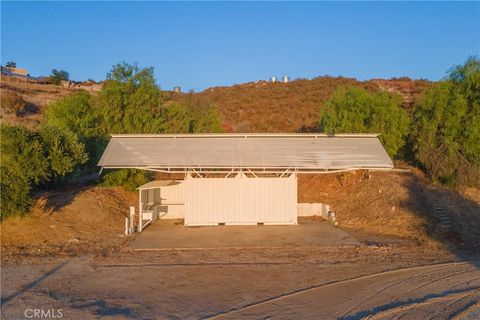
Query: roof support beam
point(228, 175)
point(252, 173)
point(257, 170)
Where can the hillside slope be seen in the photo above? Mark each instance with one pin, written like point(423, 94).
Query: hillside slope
point(378, 207)
point(250, 107)
point(36, 97)
point(290, 107)
point(65, 222)
point(397, 204)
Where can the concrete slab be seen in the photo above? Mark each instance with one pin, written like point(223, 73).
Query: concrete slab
point(172, 234)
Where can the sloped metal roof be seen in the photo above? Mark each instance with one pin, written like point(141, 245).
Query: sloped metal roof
point(155, 184)
point(299, 152)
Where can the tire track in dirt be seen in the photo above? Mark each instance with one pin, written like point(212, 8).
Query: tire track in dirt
point(427, 300)
point(439, 279)
point(376, 293)
point(331, 284)
point(471, 311)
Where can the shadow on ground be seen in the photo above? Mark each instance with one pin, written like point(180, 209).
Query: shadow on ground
point(450, 218)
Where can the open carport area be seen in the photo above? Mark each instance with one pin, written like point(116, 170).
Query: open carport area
point(172, 234)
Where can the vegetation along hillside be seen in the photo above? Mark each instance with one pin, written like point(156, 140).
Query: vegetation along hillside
point(293, 106)
point(52, 137)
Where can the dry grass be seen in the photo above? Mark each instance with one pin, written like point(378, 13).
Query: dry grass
point(68, 222)
point(248, 107)
point(289, 107)
point(395, 204)
point(35, 96)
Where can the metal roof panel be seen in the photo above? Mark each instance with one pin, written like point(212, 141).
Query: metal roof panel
point(294, 151)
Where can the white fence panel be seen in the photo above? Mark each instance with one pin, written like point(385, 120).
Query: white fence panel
point(173, 193)
point(173, 200)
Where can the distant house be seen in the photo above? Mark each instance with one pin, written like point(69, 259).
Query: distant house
point(14, 71)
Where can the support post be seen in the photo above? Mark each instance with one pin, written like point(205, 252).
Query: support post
point(126, 226)
point(132, 221)
point(140, 218)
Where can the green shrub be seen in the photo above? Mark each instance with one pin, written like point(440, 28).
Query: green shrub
point(23, 164)
point(14, 190)
point(58, 75)
point(63, 151)
point(356, 110)
point(129, 179)
point(77, 113)
point(129, 102)
point(192, 115)
point(31, 159)
point(74, 112)
point(446, 127)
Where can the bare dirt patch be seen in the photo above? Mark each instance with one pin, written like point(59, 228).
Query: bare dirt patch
point(402, 205)
point(329, 282)
point(68, 222)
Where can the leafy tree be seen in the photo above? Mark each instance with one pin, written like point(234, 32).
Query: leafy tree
point(14, 191)
point(178, 118)
point(23, 163)
point(11, 64)
point(204, 116)
point(63, 151)
point(58, 75)
point(356, 110)
point(131, 73)
point(131, 102)
point(30, 159)
point(193, 115)
point(23, 150)
point(129, 179)
point(78, 113)
point(75, 112)
point(446, 130)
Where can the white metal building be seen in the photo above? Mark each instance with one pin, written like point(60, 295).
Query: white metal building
point(236, 179)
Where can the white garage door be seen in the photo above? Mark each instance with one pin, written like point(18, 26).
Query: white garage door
point(240, 200)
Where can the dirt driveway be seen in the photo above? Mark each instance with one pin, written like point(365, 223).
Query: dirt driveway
point(169, 234)
point(374, 282)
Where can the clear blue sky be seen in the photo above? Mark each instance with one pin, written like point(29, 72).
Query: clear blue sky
point(198, 45)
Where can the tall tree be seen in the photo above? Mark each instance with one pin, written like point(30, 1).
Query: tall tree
point(446, 130)
point(30, 159)
point(58, 75)
point(356, 110)
point(11, 64)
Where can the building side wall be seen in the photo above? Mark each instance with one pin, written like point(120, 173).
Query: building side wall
point(312, 209)
point(240, 200)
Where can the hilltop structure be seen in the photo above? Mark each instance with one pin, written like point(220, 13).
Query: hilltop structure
point(9, 71)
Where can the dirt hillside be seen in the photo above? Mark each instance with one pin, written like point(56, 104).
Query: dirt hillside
point(403, 205)
point(250, 107)
point(379, 206)
point(290, 107)
point(35, 97)
point(79, 220)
